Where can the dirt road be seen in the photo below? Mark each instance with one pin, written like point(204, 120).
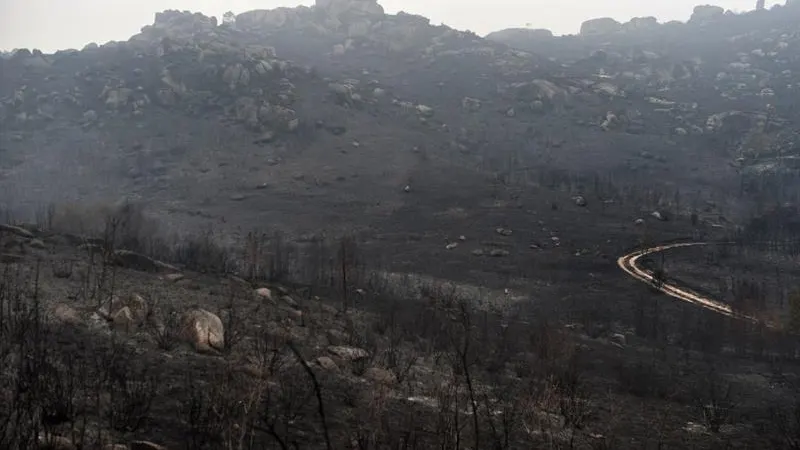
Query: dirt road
point(628, 263)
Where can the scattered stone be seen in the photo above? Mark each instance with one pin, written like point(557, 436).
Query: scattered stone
point(498, 253)
point(580, 200)
point(327, 363)
point(639, 222)
point(335, 337)
point(451, 246)
point(380, 376)
point(503, 231)
point(658, 216)
point(478, 252)
point(462, 238)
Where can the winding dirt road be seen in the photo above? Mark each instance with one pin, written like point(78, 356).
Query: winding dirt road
point(628, 263)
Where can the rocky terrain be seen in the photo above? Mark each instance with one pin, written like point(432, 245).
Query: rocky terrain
point(361, 230)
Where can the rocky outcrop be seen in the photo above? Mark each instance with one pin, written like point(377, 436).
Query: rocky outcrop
point(704, 13)
point(600, 26)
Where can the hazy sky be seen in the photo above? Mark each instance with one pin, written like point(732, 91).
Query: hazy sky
point(57, 24)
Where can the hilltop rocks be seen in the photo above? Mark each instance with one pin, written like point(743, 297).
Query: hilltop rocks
point(341, 8)
point(704, 13)
point(600, 26)
point(271, 18)
point(513, 36)
point(640, 24)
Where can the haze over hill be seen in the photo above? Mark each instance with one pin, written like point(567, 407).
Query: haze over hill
point(52, 26)
point(333, 227)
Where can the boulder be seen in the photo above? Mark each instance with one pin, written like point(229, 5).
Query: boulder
point(264, 293)
point(16, 231)
point(470, 104)
point(202, 329)
point(600, 26)
point(235, 76)
point(126, 314)
point(348, 354)
point(65, 314)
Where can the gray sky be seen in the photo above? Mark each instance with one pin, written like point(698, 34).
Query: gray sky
point(58, 24)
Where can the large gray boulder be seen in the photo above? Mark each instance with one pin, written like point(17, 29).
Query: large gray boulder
point(600, 26)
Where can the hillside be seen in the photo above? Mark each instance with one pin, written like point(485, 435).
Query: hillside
point(332, 227)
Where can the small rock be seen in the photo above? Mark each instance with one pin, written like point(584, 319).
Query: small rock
point(174, 277)
point(265, 138)
point(264, 293)
point(381, 376)
point(37, 243)
point(294, 315)
point(123, 320)
point(478, 252)
point(499, 252)
point(327, 363)
point(407, 189)
point(580, 200)
point(658, 216)
point(336, 337)
point(462, 238)
point(146, 445)
point(618, 339)
point(639, 222)
point(451, 245)
point(289, 301)
point(237, 197)
point(503, 231)
point(66, 314)
point(55, 443)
